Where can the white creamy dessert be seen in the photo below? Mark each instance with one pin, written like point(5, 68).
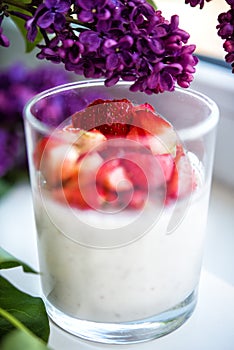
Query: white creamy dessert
point(130, 282)
point(135, 261)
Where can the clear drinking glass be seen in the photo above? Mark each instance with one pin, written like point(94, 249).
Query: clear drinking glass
point(120, 264)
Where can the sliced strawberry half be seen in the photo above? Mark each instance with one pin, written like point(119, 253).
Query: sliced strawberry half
point(113, 177)
point(147, 171)
point(80, 191)
point(159, 133)
point(57, 156)
point(56, 160)
point(110, 117)
point(183, 180)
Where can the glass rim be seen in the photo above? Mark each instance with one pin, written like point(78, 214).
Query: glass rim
point(190, 132)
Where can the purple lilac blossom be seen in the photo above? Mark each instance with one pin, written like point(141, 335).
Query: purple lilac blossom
point(194, 3)
point(9, 143)
point(17, 85)
point(117, 40)
point(226, 32)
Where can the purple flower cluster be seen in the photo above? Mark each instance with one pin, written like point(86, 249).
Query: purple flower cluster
point(226, 32)
point(194, 3)
point(117, 40)
point(114, 39)
point(17, 85)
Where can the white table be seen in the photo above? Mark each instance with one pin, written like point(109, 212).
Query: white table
point(211, 327)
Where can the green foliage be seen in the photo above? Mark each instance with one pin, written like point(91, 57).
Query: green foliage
point(19, 340)
point(21, 311)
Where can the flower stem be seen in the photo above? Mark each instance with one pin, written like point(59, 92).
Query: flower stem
point(17, 324)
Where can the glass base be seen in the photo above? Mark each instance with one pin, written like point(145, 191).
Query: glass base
point(126, 332)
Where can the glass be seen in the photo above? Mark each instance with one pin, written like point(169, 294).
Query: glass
point(125, 269)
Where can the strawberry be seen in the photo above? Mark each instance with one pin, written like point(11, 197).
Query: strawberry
point(56, 160)
point(78, 197)
point(148, 171)
point(84, 140)
point(138, 199)
point(70, 196)
point(110, 117)
point(182, 182)
point(146, 139)
point(57, 156)
point(158, 133)
point(112, 176)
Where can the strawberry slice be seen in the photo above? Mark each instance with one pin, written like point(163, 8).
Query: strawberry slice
point(159, 134)
point(110, 117)
point(80, 190)
point(56, 160)
point(148, 171)
point(183, 181)
point(57, 156)
point(78, 197)
point(84, 140)
point(113, 177)
point(138, 199)
point(148, 140)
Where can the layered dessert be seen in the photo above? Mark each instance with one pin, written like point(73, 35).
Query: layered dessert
point(120, 210)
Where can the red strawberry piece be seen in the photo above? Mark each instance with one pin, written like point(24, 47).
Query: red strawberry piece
point(148, 171)
point(166, 162)
point(138, 199)
point(146, 139)
point(161, 135)
point(80, 191)
point(84, 140)
point(77, 197)
point(113, 177)
point(145, 106)
point(71, 196)
point(111, 117)
point(56, 160)
point(57, 156)
point(182, 182)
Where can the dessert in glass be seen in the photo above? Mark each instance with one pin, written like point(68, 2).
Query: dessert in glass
point(120, 185)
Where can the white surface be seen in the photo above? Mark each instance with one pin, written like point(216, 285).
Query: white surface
point(211, 327)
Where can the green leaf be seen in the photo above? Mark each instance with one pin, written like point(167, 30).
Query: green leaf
point(8, 261)
point(152, 3)
point(19, 340)
point(28, 310)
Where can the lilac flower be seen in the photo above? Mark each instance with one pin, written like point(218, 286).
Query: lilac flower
point(194, 3)
point(226, 32)
point(137, 45)
point(54, 14)
point(90, 40)
point(17, 85)
point(115, 39)
point(71, 51)
point(31, 23)
point(117, 53)
point(9, 143)
point(93, 9)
